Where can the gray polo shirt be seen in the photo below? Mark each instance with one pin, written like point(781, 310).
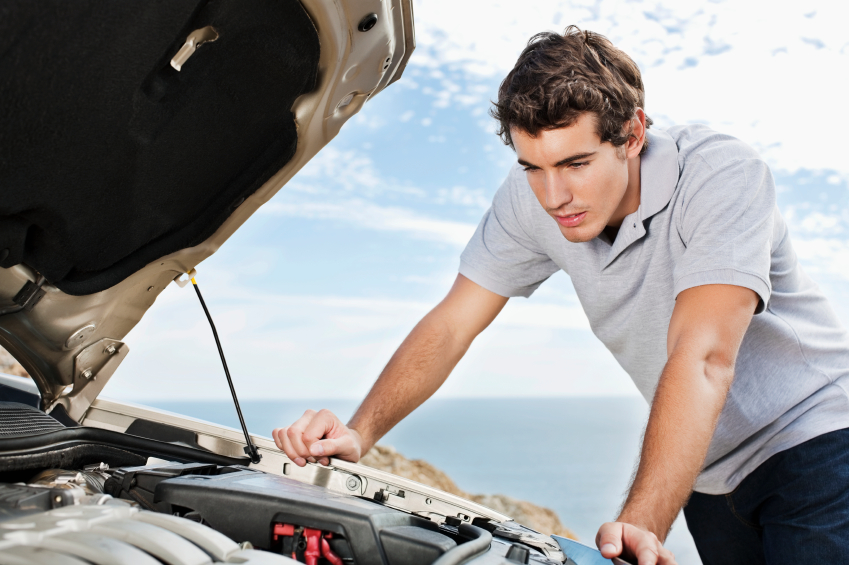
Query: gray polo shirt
point(707, 215)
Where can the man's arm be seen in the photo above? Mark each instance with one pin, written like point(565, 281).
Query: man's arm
point(416, 370)
point(705, 332)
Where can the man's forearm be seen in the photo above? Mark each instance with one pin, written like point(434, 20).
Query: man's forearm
point(684, 412)
point(416, 370)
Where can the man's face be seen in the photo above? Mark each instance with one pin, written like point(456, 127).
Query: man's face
point(580, 181)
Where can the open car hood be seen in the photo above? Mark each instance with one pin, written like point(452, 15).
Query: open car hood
point(136, 137)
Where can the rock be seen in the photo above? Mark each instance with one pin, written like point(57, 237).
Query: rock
point(10, 366)
point(386, 458)
point(542, 519)
point(528, 514)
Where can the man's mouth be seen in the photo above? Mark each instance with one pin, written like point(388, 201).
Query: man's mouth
point(571, 220)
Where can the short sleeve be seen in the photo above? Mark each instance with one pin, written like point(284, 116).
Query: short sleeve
point(726, 225)
point(502, 255)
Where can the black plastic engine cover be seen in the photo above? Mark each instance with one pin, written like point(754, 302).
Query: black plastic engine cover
point(245, 505)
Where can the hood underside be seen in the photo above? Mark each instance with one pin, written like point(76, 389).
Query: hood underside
point(109, 157)
point(136, 137)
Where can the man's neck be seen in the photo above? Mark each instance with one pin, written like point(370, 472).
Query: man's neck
point(610, 232)
point(630, 200)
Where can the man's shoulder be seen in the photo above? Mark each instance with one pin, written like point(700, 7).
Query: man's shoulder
point(718, 171)
point(515, 190)
point(700, 146)
point(516, 178)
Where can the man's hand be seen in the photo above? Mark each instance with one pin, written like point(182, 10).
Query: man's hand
point(617, 539)
point(316, 436)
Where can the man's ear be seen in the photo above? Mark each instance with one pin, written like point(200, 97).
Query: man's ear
point(638, 134)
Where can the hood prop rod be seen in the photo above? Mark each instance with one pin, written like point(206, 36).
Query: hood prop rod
point(250, 448)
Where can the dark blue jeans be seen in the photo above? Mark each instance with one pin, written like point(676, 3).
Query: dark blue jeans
point(794, 508)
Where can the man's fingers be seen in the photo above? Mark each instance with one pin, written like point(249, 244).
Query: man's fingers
point(647, 555)
point(343, 447)
point(304, 421)
point(275, 435)
point(302, 441)
point(281, 439)
point(297, 451)
point(617, 539)
point(279, 435)
point(301, 451)
point(320, 426)
point(609, 539)
point(644, 545)
point(666, 557)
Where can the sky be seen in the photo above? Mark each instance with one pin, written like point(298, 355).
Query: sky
point(314, 293)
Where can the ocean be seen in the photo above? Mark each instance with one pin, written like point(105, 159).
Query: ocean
point(573, 455)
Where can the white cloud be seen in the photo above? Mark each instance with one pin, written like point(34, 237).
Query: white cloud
point(462, 196)
point(772, 77)
point(351, 170)
point(366, 215)
point(824, 255)
point(817, 222)
point(345, 186)
point(347, 171)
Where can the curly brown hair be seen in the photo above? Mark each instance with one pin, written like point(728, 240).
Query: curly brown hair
point(559, 77)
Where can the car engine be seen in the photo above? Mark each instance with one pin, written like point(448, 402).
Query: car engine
point(66, 497)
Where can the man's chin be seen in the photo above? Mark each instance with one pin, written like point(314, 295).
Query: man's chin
point(579, 234)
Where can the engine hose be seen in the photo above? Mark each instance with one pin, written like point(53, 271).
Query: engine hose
point(142, 446)
point(478, 544)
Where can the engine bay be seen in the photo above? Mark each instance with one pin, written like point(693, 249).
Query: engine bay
point(121, 498)
point(203, 513)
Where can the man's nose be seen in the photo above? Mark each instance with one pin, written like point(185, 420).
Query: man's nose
point(557, 191)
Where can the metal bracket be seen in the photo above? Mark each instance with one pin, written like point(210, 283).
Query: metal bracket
point(27, 297)
point(91, 360)
point(93, 367)
point(195, 39)
point(30, 294)
point(182, 282)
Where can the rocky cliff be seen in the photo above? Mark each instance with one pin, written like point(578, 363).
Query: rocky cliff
point(543, 520)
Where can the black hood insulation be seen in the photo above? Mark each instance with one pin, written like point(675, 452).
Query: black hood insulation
point(109, 157)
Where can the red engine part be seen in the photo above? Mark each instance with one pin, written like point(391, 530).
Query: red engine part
point(328, 554)
point(317, 545)
point(283, 530)
point(313, 551)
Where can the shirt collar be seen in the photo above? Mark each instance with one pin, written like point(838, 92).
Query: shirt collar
point(658, 173)
point(658, 179)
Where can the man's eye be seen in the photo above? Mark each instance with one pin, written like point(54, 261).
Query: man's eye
point(530, 169)
point(578, 165)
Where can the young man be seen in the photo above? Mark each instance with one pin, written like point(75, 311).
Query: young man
point(684, 267)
